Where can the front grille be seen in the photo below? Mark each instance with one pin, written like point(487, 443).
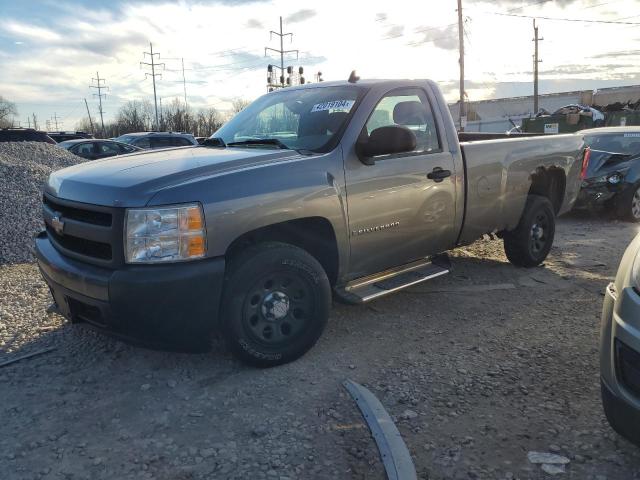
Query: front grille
point(82, 246)
point(628, 367)
point(91, 233)
point(88, 216)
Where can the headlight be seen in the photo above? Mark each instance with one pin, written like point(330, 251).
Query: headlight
point(612, 178)
point(167, 234)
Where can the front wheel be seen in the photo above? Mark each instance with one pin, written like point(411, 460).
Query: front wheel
point(529, 244)
point(276, 304)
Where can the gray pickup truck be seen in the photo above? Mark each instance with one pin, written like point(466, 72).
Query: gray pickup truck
point(345, 189)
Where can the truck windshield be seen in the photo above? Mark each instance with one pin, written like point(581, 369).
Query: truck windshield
point(304, 119)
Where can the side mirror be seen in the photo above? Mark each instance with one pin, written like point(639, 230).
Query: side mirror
point(386, 141)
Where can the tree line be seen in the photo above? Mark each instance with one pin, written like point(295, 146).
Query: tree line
point(139, 116)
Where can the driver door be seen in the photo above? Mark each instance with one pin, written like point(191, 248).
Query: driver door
point(398, 214)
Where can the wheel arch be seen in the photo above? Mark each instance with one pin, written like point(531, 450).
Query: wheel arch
point(315, 235)
point(551, 183)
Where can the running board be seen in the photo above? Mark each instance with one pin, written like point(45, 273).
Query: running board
point(369, 288)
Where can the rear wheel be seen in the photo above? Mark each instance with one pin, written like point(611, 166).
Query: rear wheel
point(276, 304)
point(529, 244)
point(629, 205)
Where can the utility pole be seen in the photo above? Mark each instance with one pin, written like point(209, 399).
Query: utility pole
point(184, 85)
point(462, 112)
point(161, 117)
point(91, 121)
point(282, 51)
point(29, 121)
point(536, 61)
point(153, 75)
point(100, 86)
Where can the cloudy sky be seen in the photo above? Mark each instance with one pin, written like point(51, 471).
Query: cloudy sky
point(50, 50)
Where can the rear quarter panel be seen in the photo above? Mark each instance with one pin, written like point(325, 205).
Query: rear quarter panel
point(499, 174)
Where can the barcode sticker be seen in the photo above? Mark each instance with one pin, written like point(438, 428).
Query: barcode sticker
point(340, 105)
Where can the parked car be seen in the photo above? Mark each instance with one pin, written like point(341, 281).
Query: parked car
point(24, 135)
point(154, 140)
point(250, 234)
point(64, 136)
point(95, 149)
point(612, 177)
point(201, 140)
point(620, 347)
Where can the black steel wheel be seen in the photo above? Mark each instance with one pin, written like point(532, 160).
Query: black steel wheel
point(276, 304)
point(529, 244)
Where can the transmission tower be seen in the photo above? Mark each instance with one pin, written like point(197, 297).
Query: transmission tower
point(100, 86)
point(282, 53)
point(55, 119)
point(153, 75)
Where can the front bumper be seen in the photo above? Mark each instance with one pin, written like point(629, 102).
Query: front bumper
point(620, 325)
point(172, 306)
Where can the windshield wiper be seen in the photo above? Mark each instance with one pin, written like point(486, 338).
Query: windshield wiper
point(260, 141)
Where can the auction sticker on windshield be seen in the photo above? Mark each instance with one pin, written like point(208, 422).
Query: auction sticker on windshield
point(335, 105)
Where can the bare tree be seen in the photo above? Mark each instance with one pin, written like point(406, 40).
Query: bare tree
point(207, 122)
point(7, 110)
point(239, 104)
point(84, 125)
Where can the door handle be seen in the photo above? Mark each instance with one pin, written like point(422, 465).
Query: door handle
point(438, 174)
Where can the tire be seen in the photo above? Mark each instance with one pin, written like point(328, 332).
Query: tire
point(629, 204)
point(529, 244)
point(277, 299)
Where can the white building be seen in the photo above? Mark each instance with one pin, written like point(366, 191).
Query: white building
point(501, 114)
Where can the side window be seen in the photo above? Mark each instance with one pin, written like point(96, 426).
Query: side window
point(125, 148)
point(181, 142)
point(409, 108)
point(142, 142)
point(84, 150)
point(161, 142)
point(108, 149)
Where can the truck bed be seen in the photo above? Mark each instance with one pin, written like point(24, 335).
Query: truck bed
point(499, 174)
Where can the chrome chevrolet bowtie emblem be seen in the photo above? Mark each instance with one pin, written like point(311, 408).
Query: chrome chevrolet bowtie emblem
point(57, 224)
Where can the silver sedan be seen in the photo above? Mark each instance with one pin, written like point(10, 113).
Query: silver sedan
point(620, 347)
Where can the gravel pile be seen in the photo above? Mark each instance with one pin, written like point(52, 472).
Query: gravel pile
point(24, 167)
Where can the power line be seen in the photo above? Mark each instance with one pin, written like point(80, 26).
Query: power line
point(558, 19)
point(100, 86)
point(153, 75)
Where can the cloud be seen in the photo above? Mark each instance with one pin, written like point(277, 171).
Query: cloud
point(445, 38)
point(253, 23)
point(395, 31)
point(31, 32)
point(381, 17)
point(618, 54)
point(301, 15)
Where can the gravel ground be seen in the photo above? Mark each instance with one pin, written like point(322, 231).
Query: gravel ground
point(479, 368)
point(24, 167)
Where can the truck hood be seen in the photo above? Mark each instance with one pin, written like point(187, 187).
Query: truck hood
point(132, 180)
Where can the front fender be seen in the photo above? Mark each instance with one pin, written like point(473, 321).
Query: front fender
point(241, 201)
